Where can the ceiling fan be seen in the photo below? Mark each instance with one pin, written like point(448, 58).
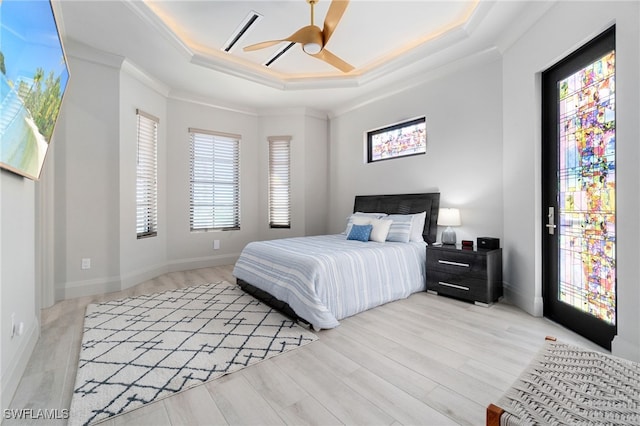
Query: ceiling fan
point(313, 39)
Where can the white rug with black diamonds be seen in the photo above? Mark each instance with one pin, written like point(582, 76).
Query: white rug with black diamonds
point(141, 349)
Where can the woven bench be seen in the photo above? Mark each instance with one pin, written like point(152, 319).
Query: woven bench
point(569, 385)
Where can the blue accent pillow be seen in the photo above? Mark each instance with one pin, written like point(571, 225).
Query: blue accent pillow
point(360, 232)
point(400, 230)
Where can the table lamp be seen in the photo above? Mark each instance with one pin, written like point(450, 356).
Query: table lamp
point(449, 218)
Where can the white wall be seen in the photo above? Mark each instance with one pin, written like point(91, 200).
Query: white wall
point(140, 259)
point(463, 109)
point(309, 170)
point(316, 174)
point(186, 249)
point(87, 199)
point(17, 279)
point(565, 27)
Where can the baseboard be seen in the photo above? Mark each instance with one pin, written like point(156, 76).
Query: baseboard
point(532, 307)
point(18, 365)
point(110, 284)
point(141, 275)
point(92, 287)
point(202, 262)
point(625, 348)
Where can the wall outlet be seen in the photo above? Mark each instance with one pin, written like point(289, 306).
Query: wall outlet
point(86, 263)
point(216, 244)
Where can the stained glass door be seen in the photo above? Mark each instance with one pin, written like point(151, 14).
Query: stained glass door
point(579, 187)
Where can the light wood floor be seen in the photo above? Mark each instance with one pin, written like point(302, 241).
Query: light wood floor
point(425, 360)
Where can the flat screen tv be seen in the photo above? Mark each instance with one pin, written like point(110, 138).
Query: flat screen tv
point(33, 78)
point(397, 140)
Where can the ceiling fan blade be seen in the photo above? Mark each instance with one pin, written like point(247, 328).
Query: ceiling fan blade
point(333, 60)
point(334, 15)
point(262, 45)
point(307, 34)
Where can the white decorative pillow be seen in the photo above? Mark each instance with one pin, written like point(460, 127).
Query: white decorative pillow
point(376, 215)
point(417, 227)
point(380, 229)
point(361, 215)
point(400, 230)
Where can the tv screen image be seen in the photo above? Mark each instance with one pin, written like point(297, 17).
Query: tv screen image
point(398, 140)
point(33, 78)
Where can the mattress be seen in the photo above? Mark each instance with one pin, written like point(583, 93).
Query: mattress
point(327, 278)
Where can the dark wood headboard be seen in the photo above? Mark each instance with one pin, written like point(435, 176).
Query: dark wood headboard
point(404, 204)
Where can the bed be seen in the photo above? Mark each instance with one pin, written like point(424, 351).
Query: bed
point(322, 279)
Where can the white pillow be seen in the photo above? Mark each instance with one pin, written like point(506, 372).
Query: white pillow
point(380, 229)
point(361, 215)
point(357, 220)
point(417, 227)
point(376, 215)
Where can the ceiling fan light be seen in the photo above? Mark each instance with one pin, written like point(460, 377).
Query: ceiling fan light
point(311, 48)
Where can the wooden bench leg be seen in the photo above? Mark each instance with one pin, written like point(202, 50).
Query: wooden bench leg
point(493, 415)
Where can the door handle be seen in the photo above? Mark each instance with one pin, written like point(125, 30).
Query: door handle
point(551, 218)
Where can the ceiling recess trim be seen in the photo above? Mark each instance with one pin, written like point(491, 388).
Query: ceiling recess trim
point(278, 54)
point(251, 19)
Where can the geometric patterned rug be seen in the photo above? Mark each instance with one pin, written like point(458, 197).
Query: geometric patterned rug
point(570, 385)
point(142, 349)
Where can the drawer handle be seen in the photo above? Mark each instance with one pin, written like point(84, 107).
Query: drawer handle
point(447, 262)
point(459, 287)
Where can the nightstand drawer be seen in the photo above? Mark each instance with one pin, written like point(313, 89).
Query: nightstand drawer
point(462, 282)
point(457, 262)
point(463, 287)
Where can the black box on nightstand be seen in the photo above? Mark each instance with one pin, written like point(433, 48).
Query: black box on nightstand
point(488, 243)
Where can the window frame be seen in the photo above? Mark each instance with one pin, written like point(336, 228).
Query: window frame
point(392, 131)
point(279, 182)
point(146, 175)
point(205, 171)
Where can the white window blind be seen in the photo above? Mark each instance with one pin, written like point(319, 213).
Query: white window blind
point(147, 176)
point(279, 182)
point(215, 181)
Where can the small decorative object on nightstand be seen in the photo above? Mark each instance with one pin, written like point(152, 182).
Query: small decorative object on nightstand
point(449, 218)
point(473, 275)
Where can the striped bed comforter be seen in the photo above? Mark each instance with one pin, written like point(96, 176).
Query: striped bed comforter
point(326, 278)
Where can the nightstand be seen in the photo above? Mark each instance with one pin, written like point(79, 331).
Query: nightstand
point(472, 275)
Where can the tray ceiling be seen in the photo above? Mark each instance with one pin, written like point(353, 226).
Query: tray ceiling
point(391, 44)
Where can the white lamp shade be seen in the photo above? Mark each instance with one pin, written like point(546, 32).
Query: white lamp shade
point(449, 217)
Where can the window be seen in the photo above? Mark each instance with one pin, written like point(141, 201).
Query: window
point(147, 176)
point(279, 182)
point(398, 140)
point(215, 181)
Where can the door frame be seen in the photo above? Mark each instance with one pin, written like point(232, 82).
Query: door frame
point(586, 325)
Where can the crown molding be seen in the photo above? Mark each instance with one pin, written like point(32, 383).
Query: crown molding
point(79, 50)
point(293, 111)
point(183, 96)
point(134, 71)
